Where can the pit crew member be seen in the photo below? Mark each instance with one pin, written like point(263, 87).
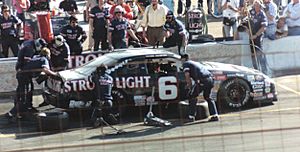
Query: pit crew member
point(103, 105)
point(99, 17)
point(10, 26)
point(33, 68)
point(118, 30)
point(198, 79)
point(69, 6)
point(60, 53)
point(74, 35)
point(175, 33)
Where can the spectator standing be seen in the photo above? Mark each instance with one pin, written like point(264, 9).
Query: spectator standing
point(127, 10)
point(60, 53)
point(181, 4)
point(271, 13)
point(99, 17)
point(230, 16)
point(153, 19)
point(69, 6)
point(74, 35)
point(89, 4)
point(209, 5)
point(134, 8)
point(259, 23)
point(175, 32)
point(118, 30)
point(21, 6)
point(10, 26)
point(292, 13)
point(32, 69)
point(198, 79)
point(282, 28)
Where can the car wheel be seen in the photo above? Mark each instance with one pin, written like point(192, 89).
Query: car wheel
point(234, 94)
point(54, 120)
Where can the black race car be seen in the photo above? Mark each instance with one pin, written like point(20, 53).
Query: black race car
point(136, 73)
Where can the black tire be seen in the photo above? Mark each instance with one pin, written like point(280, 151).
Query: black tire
point(234, 94)
point(49, 121)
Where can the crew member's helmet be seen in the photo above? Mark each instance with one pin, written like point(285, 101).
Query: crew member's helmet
point(39, 44)
point(119, 8)
point(59, 40)
point(102, 68)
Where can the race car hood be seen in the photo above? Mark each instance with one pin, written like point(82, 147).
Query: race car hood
point(73, 75)
point(216, 66)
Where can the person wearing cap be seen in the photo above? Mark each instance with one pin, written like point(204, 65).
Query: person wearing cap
point(99, 17)
point(32, 69)
point(198, 79)
point(118, 29)
point(10, 26)
point(175, 32)
point(60, 53)
point(153, 20)
point(259, 22)
point(74, 35)
point(126, 9)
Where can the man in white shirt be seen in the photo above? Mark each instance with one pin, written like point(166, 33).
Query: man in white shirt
point(271, 13)
point(154, 18)
point(230, 16)
point(292, 13)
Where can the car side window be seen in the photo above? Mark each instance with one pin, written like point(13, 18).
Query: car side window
point(133, 68)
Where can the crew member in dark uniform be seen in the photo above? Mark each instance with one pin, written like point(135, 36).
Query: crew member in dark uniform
point(259, 22)
point(69, 6)
point(104, 83)
point(60, 53)
point(118, 30)
point(198, 79)
point(100, 20)
point(10, 26)
point(74, 36)
point(175, 33)
point(32, 68)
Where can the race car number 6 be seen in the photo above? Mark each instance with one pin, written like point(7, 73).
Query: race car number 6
point(167, 88)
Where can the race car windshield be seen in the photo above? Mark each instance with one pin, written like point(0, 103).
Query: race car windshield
point(90, 67)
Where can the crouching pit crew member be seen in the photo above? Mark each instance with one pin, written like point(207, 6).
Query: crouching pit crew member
point(175, 33)
point(102, 107)
point(31, 69)
point(198, 79)
point(74, 36)
point(60, 53)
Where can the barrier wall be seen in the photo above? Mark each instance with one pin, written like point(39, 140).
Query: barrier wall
point(282, 54)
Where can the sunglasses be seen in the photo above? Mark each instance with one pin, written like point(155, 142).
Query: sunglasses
point(118, 12)
point(5, 10)
point(169, 17)
point(74, 22)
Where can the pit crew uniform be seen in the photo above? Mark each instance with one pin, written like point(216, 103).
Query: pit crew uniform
point(59, 55)
point(9, 34)
point(74, 36)
point(118, 28)
point(24, 104)
point(100, 18)
point(203, 81)
point(178, 31)
point(68, 6)
point(103, 89)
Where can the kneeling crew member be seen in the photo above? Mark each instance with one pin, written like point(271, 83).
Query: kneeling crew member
point(32, 69)
point(175, 33)
point(203, 81)
point(103, 89)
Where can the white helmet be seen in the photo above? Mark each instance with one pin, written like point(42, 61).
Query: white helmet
point(119, 8)
point(59, 40)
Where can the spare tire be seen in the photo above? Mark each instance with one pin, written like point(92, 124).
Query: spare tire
point(52, 121)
